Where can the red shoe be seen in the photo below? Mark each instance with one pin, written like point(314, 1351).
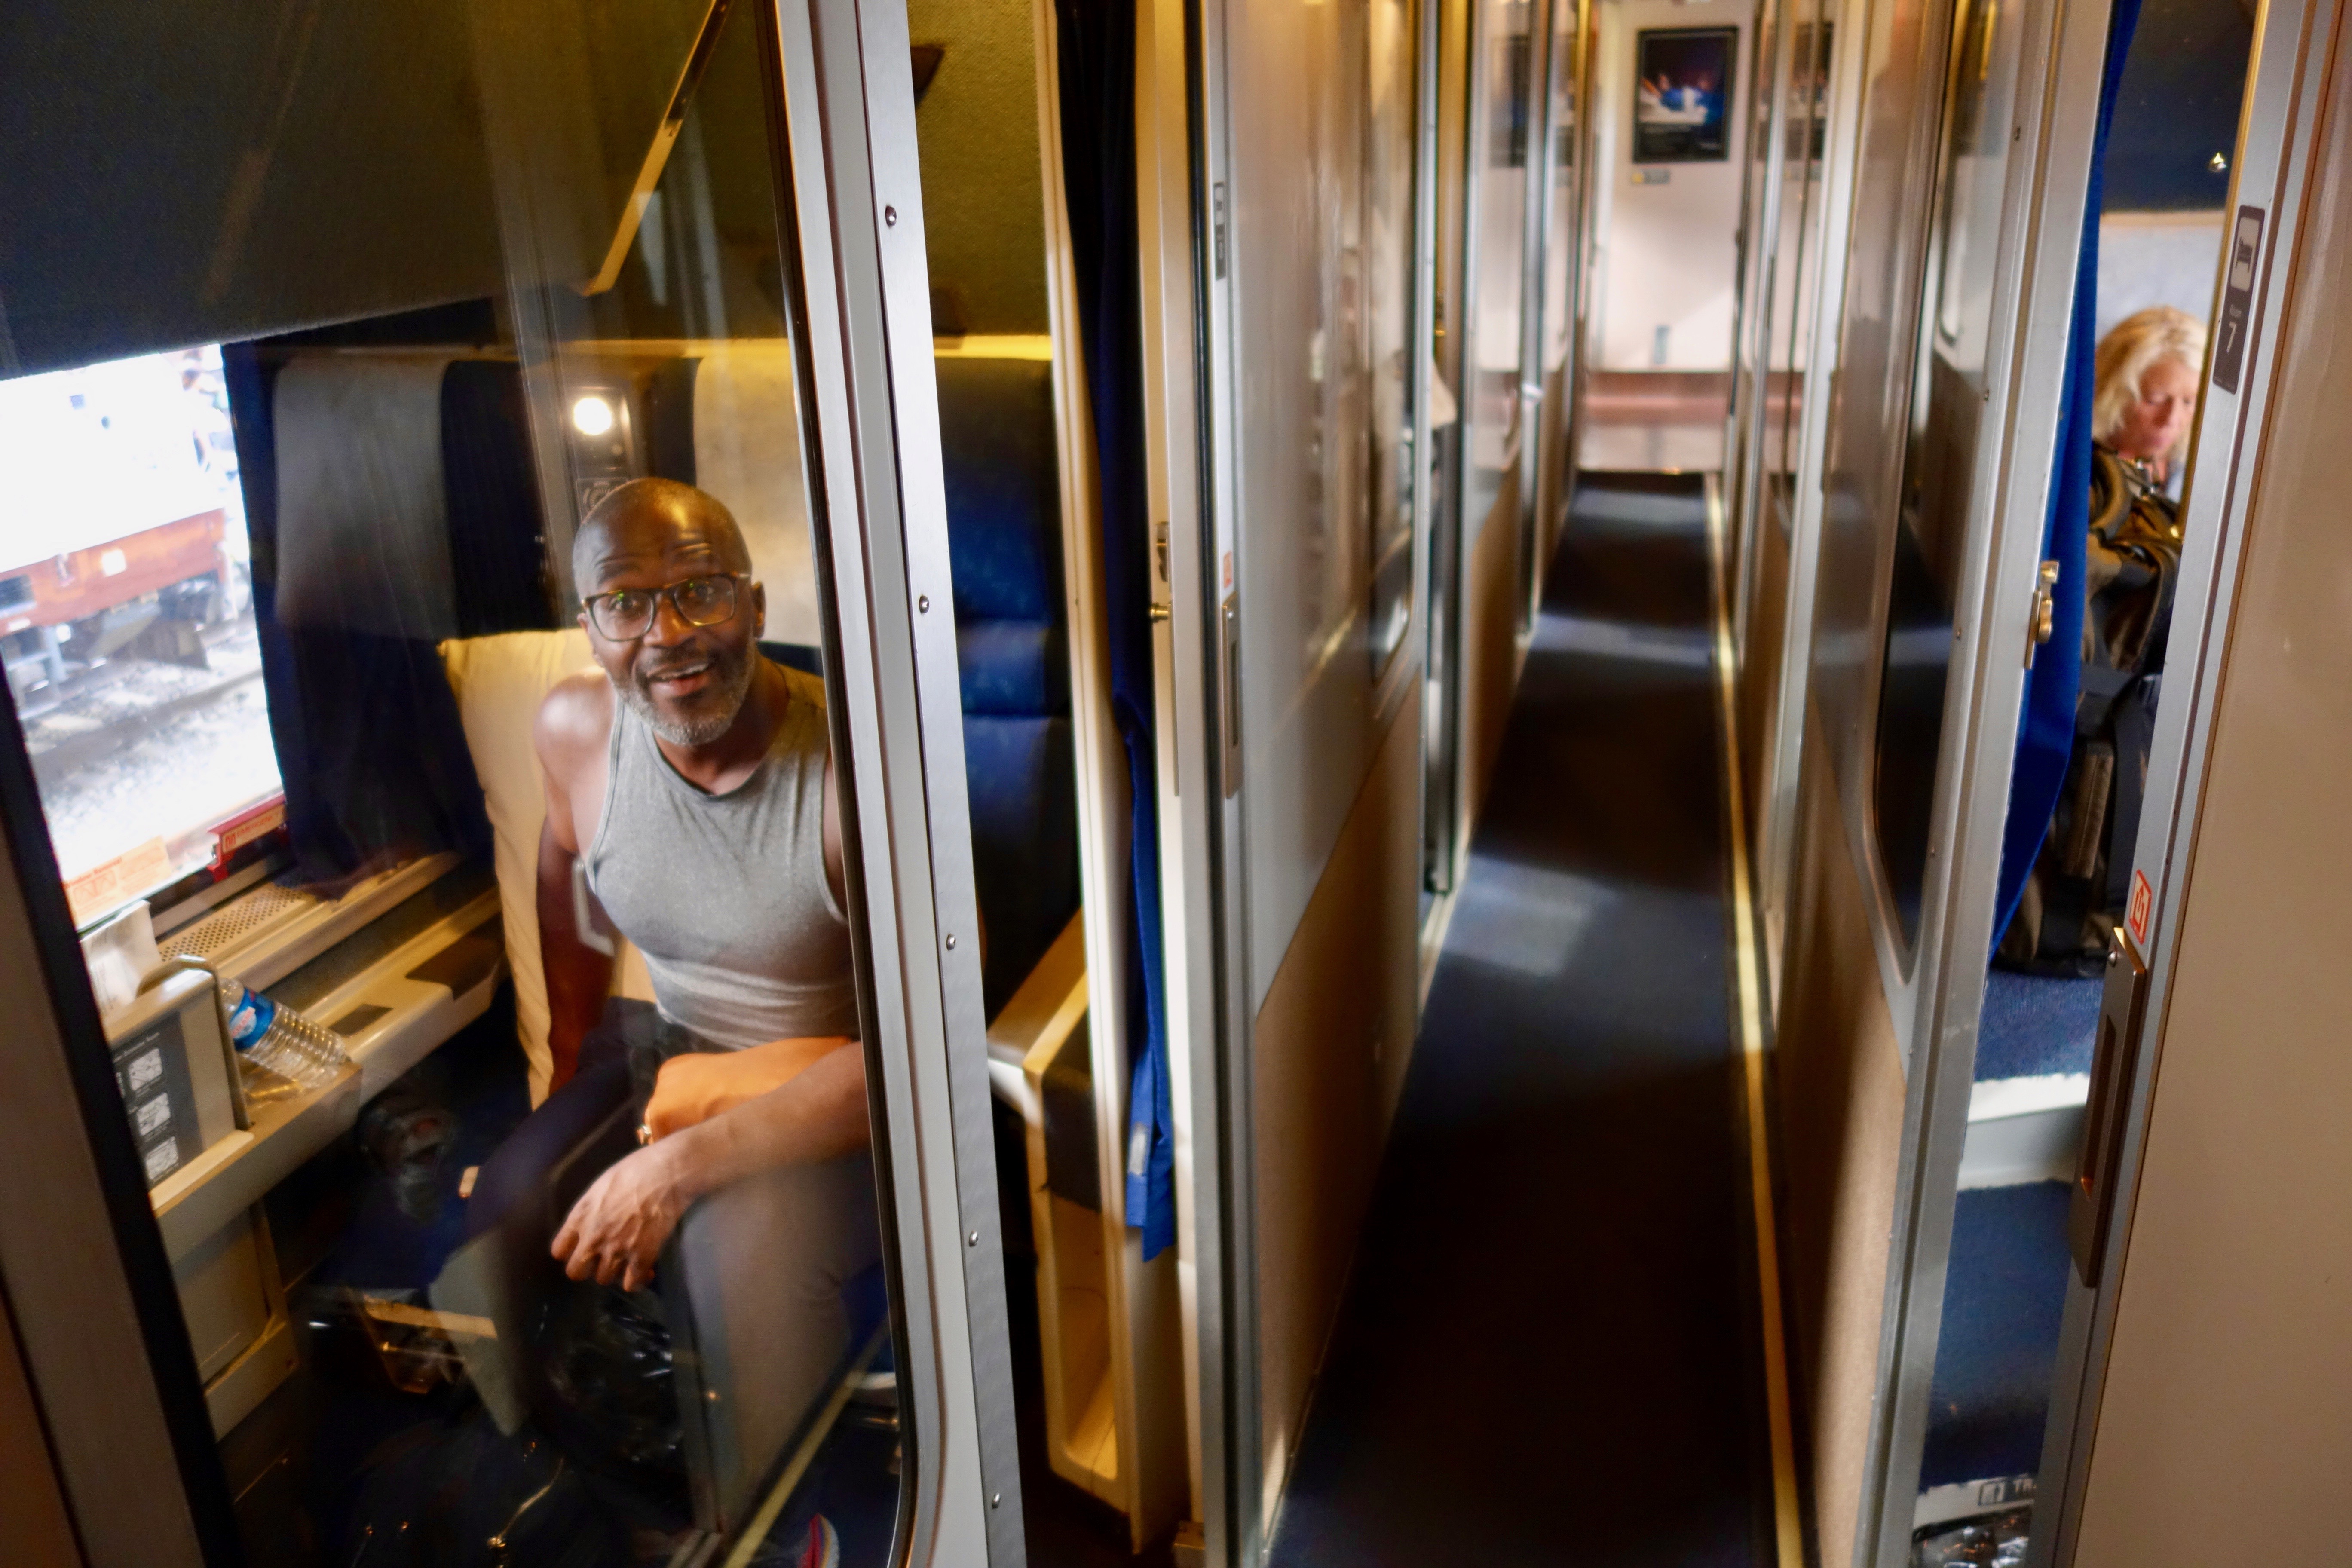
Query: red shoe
point(824, 1548)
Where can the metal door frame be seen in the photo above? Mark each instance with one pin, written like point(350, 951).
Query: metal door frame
point(1535, 232)
point(1552, 479)
point(1935, 1005)
point(1748, 419)
point(850, 138)
point(1224, 1192)
point(2278, 128)
point(1444, 836)
point(1204, 915)
point(1841, 141)
point(88, 1287)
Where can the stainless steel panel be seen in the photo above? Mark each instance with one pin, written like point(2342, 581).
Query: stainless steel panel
point(1948, 395)
point(1901, 115)
point(1314, 226)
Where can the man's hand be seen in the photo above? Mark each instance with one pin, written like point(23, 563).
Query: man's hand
point(617, 1228)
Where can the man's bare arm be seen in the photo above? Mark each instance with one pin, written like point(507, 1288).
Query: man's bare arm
point(617, 1228)
point(578, 976)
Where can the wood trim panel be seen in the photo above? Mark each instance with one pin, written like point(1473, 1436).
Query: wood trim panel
point(1839, 1073)
point(1329, 1057)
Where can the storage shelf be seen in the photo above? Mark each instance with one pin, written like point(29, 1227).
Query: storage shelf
point(429, 986)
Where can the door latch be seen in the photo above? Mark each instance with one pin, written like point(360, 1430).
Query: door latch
point(2041, 615)
point(2115, 1063)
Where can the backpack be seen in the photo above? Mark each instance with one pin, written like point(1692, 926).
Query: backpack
point(2075, 893)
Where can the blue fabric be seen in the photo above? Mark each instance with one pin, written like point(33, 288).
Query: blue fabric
point(2004, 1297)
point(1020, 780)
point(1005, 545)
point(370, 747)
point(1003, 490)
point(1013, 667)
point(2046, 737)
point(2034, 1024)
point(1097, 81)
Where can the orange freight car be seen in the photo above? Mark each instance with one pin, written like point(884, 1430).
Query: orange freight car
point(81, 584)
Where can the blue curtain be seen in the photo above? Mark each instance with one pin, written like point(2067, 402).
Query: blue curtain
point(2045, 736)
point(369, 744)
point(1096, 41)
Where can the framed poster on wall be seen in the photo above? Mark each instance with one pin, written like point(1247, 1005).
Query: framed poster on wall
point(1681, 106)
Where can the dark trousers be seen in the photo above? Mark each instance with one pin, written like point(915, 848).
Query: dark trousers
point(751, 1285)
point(618, 1061)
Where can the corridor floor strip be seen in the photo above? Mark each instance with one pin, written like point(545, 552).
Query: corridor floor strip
point(1787, 1523)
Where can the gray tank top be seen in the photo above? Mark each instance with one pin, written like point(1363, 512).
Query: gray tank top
point(726, 894)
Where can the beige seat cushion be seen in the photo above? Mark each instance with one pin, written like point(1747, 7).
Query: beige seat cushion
point(499, 682)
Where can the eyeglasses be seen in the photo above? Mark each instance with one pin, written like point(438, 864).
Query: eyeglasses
point(627, 614)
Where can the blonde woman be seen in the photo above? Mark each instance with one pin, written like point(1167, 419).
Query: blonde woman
point(2148, 370)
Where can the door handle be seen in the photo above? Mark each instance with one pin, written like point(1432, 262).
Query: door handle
point(2042, 617)
point(1229, 688)
point(2114, 1061)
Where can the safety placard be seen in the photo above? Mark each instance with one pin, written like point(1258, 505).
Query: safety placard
point(2141, 911)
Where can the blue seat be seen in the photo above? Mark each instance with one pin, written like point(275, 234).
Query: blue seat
point(1003, 493)
point(2005, 1281)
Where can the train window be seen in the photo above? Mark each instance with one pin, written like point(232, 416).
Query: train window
point(1946, 397)
point(126, 621)
point(510, 1144)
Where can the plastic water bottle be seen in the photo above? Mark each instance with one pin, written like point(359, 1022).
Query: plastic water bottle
point(276, 1038)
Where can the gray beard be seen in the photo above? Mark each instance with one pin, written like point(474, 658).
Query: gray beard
point(735, 684)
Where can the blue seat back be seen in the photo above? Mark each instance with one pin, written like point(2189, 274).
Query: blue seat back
point(1003, 493)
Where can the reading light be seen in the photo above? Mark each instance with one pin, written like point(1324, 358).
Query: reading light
point(591, 417)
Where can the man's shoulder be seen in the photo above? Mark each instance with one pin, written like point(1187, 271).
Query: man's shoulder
point(803, 687)
point(575, 719)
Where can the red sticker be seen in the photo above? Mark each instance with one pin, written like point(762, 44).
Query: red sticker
point(2142, 906)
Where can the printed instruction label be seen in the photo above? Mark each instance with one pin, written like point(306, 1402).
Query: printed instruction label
point(2141, 909)
point(2237, 299)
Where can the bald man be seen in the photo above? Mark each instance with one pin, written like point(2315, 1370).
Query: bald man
point(692, 780)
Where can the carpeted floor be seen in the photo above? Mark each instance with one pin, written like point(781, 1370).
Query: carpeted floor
point(1548, 1352)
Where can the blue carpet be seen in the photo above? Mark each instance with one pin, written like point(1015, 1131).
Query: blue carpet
point(1549, 1350)
point(2003, 1298)
point(2032, 1025)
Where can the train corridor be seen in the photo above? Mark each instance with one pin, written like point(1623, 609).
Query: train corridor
point(1550, 1347)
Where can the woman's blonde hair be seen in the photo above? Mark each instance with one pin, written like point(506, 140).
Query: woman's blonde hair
point(2127, 353)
